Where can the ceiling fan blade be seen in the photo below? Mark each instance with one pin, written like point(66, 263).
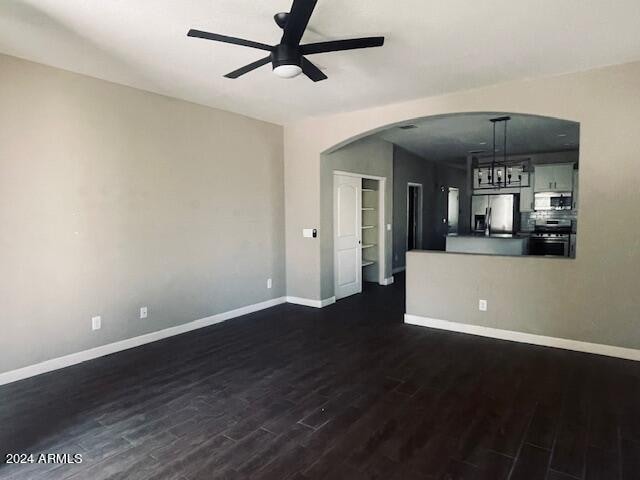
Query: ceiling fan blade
point(337, 45)
point(311, 71)
point(225, 39)
point(297, 21)
point(248, 68)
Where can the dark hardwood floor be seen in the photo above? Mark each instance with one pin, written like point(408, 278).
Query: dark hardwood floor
point(345, 392)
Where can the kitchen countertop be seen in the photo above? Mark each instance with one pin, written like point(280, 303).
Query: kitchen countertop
point(497, 244)
point(520, 235)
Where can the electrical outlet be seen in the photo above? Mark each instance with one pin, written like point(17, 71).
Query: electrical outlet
point(96, 323)
point(269, 283)
point(144, 312)
point(482, 305)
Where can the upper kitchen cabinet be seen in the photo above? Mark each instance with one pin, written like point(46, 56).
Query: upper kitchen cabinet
point(557, 177)
point(575, 189)
point(526, 197)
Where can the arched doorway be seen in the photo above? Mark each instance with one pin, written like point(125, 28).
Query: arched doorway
point(448, 157)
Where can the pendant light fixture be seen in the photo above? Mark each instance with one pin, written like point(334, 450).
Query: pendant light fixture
point(500, 173)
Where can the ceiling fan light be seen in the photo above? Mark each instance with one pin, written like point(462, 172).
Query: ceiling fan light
point(287, 71)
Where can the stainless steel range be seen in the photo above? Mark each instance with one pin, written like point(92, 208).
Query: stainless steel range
point(551, 238)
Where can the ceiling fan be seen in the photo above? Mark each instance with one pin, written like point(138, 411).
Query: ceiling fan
point(288, 57)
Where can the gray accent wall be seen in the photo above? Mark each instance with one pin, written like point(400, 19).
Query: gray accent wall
point(369, 156)
point(408, 167)
point(113, 198)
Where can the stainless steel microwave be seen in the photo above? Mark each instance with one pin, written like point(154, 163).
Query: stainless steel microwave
point(553, 201)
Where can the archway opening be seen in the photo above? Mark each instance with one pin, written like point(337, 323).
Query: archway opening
point(484, 183)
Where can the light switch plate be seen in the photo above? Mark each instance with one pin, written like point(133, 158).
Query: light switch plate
point(269, 283)
point(482, 305)
point(144, 312)
point(96, 323)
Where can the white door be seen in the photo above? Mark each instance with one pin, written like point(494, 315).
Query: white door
point(453, 210)
point(347, 231)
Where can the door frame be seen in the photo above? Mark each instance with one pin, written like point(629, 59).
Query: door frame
point(418, 243)
point(382, 228)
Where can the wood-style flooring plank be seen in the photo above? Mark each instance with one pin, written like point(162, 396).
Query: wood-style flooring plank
point(343, 392)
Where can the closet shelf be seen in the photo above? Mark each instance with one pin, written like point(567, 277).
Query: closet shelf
point(368, 245)
point(368, 209)
point(367, 227)
point(368, 190)
point(366, 263)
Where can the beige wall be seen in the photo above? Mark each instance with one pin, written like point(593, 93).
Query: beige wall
point(113, 198)
point(544, 296)
point(600, 297)
point(370, 156)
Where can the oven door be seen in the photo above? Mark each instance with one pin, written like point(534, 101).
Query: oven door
point(556, 247)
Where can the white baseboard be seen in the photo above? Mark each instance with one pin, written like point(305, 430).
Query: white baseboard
point(79, 357)
point(399, 269)
point(576, 345)
point(307, 302)
point(387, 281)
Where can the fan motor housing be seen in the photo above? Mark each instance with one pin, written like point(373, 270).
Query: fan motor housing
point(285, 55)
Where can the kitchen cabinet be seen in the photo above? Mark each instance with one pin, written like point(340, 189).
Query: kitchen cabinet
point(555, 177)
point(526, 199)
point(575, 190)
point(563, 181)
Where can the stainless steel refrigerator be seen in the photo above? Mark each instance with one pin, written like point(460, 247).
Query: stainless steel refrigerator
point(495, 214)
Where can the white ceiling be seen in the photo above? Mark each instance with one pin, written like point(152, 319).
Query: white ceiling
point(454, 137)
point(432, 46)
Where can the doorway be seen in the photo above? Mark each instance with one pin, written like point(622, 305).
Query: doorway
point(414, 216)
